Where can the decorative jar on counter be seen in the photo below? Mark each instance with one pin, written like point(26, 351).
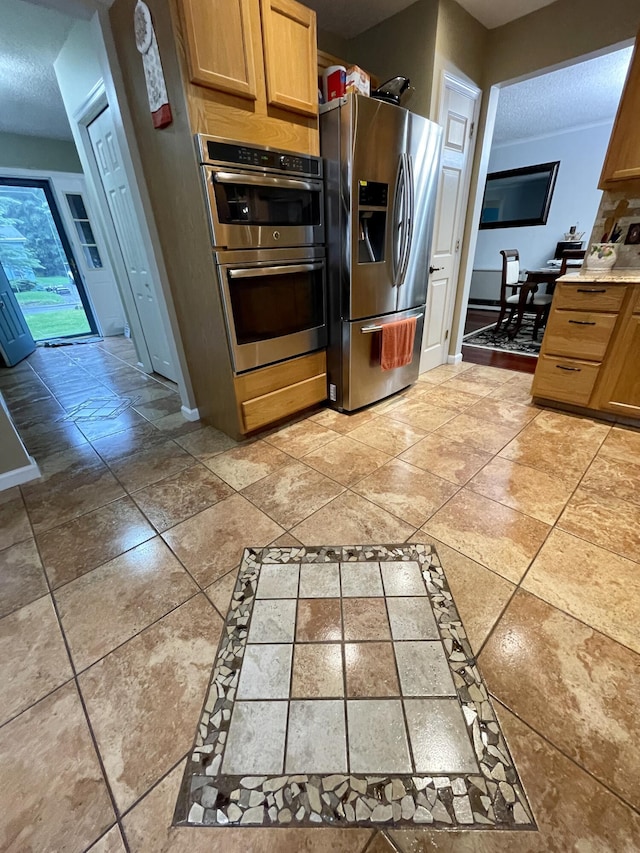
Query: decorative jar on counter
point(601, 256)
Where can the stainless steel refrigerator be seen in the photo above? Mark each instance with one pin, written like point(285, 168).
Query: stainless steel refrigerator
point(381, 171)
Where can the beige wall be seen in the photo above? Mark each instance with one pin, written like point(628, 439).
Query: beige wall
point(403, 45)
point(173, 184)
point(563, 31)
point(335, 44)
point(461, 43)
point(34, 152)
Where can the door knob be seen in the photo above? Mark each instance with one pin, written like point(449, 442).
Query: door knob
point(434, 269)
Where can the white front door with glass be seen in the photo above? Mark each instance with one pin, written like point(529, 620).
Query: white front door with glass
point(39, 263)
point(93, 261)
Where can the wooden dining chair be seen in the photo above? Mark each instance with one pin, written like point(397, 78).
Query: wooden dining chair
point(524, 297)
point(510, 286)
point(571, 255)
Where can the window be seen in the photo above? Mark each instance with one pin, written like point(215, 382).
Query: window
point(85, 232)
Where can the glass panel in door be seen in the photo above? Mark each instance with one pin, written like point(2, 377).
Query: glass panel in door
point(84, 231)
point(37, 258)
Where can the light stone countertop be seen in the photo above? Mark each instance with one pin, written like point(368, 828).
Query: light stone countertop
point(614, 276)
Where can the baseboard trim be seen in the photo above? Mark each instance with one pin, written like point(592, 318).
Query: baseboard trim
point(19, 475)
point(454, 359)
point(190, 414)
point(486, 304)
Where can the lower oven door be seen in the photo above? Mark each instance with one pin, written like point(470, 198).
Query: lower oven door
point(274, 309)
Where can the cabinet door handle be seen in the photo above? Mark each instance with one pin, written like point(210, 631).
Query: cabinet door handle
point(562, 367)
point(583, 322)
point(585, 290)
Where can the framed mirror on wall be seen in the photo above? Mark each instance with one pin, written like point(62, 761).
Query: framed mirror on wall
point(519, 197)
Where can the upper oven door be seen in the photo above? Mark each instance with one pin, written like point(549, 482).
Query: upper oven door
point(263, 210)
point(273, 310)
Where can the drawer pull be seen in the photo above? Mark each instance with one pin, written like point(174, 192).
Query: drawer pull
point(562, 367)
point(583, 322)
point(585, 290)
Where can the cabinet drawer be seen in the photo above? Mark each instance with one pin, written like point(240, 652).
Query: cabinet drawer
point(564, 379)
point(257, 383)
point(578, 334)
point(271, 407)
point(589, 297)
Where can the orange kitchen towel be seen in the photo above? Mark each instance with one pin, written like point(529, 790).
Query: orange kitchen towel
point(397, 343)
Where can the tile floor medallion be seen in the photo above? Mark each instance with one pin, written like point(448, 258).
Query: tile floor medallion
point(345, 693)
point(98, 408)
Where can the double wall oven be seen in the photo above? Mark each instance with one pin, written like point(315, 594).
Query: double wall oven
point(266, 213)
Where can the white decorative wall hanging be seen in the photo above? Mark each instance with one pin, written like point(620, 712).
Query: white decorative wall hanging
point(147, 44)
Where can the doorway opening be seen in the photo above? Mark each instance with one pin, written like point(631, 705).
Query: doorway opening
point(538, 124)
point(38, 261)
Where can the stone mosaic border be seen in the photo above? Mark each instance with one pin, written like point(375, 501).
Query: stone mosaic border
point(495, 799)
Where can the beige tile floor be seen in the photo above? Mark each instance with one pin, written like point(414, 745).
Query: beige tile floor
point(116, 569)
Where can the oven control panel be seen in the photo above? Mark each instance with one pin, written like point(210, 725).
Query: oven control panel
point(260, 158)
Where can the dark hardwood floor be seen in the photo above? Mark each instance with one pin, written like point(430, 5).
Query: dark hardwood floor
point(478, 318)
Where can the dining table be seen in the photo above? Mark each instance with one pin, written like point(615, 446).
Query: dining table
point(546, 276)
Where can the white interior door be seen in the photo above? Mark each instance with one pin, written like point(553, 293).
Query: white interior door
point(116, 188)
point(458, 111)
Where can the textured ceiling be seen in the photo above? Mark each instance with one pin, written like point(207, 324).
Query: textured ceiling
point(495, 13)
point(349, 19)
point(581, 94)
point(352, 17)
point(30, 40)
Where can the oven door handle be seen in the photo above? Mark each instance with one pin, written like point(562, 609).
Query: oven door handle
point(265, 181)
point(255, 272)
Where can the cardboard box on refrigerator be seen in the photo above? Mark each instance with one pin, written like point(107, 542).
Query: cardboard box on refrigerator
point(358, 81)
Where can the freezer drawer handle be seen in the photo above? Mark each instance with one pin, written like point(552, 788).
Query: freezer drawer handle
point(285, 269)
point(369, 330)
point(265, 181)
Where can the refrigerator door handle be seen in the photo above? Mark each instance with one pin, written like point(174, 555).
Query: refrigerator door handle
point(408, 217)
point(369, 330)
point(399, 211)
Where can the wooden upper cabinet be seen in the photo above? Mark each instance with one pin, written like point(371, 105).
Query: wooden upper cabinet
point(220, 45)
point(290, 55)
point(622, 162)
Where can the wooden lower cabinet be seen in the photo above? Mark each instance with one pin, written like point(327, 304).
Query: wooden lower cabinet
point(619, 390)
point(270, 394)
point(588, 297)
point(565, 379)
point(579, 334)
point(590, 355)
